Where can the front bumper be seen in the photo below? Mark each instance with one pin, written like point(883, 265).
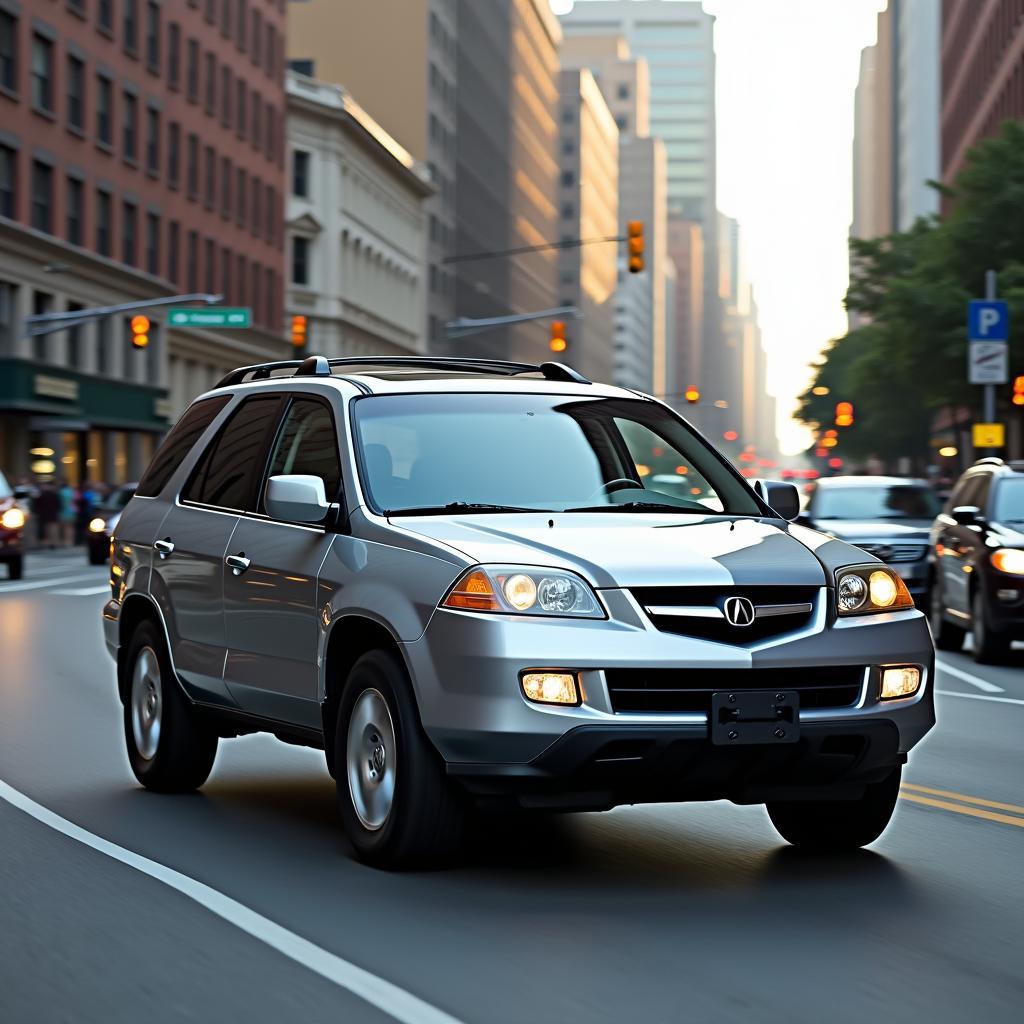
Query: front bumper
point(465, 670)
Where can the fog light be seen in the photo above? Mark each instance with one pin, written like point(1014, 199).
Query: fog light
point(551, 687)
point(900, 682)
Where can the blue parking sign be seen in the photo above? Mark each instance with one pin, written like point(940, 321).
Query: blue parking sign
point(988, 320)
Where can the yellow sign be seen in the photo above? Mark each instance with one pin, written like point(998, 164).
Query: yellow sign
point(988, 435)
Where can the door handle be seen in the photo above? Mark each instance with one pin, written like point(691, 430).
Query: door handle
point(237, 563)
point(164, 547)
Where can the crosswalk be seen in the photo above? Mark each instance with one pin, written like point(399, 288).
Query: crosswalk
point(64, 573)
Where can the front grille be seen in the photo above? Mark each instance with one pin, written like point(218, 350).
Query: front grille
point(718, 629)
point(896, 552)
point(689, 689)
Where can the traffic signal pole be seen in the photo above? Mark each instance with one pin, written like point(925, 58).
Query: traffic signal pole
point(48, 323)
point(990, 389)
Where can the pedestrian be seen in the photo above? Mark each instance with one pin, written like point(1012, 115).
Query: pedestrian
point(46, 507)
point(87, 498)
point(67, 513)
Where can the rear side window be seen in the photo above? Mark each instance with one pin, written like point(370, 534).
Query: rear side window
point(226, 473)
point(179, 443)
point(307, 444)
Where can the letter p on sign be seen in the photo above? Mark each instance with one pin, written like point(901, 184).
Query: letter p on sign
point(987, 320)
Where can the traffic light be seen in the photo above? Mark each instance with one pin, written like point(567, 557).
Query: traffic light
point(298, 331)
point(140, 331)
point(1018, 391)
point(557, 342)
point(635, 241)
point(692, 395)
point(844, 414)
point(731, 435)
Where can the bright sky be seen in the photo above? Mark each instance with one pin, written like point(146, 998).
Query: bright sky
point(786, 74)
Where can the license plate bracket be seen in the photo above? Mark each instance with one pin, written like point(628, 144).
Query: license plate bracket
point(745, 717)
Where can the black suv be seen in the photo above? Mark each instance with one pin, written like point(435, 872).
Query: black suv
point(977, 559)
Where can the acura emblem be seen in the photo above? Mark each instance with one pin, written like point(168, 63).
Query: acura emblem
point(739, 611)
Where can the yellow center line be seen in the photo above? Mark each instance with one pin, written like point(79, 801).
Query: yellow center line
point(974, 812)
point(965, 799)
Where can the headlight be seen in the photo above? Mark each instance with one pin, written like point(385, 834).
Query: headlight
point(524, 591)
point(97, 525)
point(12, 519)
point(870, 588)
point(1009, 560)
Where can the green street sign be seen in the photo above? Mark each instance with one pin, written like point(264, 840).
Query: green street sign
point(216, 316)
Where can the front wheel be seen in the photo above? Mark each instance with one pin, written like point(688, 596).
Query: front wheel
point(947, 635)
point(397, 804)
point(170, 749)
point(989, 646)
point(837, 825)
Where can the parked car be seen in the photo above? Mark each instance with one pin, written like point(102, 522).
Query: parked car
point(104, 519)
point(977, 558)
point(452, 576)
point(890, 517)
point(12, 531)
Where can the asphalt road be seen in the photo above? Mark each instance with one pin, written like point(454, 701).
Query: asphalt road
point(654, 914)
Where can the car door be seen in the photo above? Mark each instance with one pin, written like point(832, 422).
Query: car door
point(270, 583)
point(189, 565)
point(958, 541)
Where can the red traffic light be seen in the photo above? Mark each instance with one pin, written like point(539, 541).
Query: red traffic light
point(692, 395)
point(731, 435)
point(844, 414)
point(635, 245)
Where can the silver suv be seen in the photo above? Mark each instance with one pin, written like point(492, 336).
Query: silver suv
point(462, 580)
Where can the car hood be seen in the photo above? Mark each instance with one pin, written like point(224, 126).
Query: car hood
point(855, 530)
point(632, 549)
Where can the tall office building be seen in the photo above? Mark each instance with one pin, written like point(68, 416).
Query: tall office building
point(589, 209)
point(141, 156)
point(624, 79)
point(399, 58)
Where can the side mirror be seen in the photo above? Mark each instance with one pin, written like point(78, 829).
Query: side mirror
point(966, 515)
point(296, 499)
point(782, 497)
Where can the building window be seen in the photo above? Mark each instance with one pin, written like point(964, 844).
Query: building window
point(300, 260)
point(241, 110)
point(271, 129)
point(173, 54)
point(103, 222)
point(257, 122)
point(192, 71)
point(303, 67)
point(209, 267)
point(242, 22)
point(76, 94)
point(105, 15)
point(152, 243)
point(210, 178)
point(42, 74)
point(241, 279)
point(225, 273)
point(130, 25)
point(191, 262)
point(270, 51)
point(153, 36)
point(210, 104)
point(241, 196)
point(567, 177)
point(623, 123)
point(256, 49)
point(300, 173)
point(227, 173)
point(172, 251)
point(104, 126)
point(225, 18)
point(8, 294)
point(129, 129)
point(225, 96)
point(74, 353)
point(153, 141)
point(129, 227)
point(8, 181)
point(42, 197)
point(622, 91)
point(73, 211)
point(173, 153)
point(256, 223)
point(8, 51)
point(271, 208)
point(192, 166)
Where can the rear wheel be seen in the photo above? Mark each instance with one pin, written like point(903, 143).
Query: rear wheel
point(397, 804)
point(837, 825)
point(947, 635)
point(170, 749)
point(989, 646)
point(16, 567)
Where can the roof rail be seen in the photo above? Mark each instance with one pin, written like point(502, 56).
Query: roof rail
point(990, 460)
point(319, 366)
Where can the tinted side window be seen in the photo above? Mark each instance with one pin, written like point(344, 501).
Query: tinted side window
point(178, 444)
point(226, 473)
point(307, 443)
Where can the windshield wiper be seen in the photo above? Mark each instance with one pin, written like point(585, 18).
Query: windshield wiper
point(643, 506)
point(459, 506)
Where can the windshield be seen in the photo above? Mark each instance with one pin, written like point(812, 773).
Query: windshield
point(422, 453)
point(5, 491)
point(1009, 505)
point(898, 501)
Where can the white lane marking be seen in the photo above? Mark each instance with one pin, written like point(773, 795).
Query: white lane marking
point(396, 1002)
point(968, 677)
point(980, 696)
point(10, 588)
point(84, 591)
point(78, 565)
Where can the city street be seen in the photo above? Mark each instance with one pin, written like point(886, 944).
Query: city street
point(651, 914)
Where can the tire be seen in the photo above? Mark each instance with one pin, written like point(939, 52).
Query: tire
point(16, 567)
point(989, 646)
point(169, 747)
point(397, 805)
point(837, 825)
point(947, 635)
